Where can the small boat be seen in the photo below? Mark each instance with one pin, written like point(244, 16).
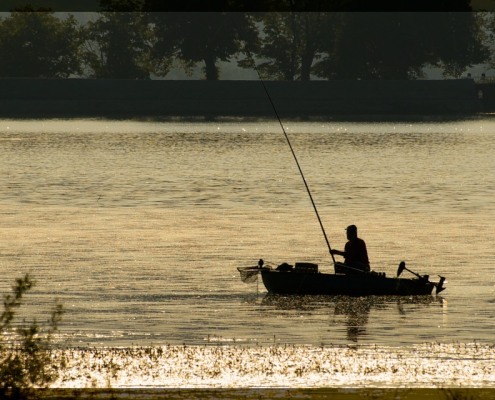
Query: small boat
point(305, 279)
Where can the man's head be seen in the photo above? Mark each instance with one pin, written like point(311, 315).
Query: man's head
point(351, 232)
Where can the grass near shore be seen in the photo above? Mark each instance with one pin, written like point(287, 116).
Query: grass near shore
point(280, 393)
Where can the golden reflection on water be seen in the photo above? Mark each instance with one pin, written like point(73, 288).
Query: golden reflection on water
point(280, 366)
point(138, 227)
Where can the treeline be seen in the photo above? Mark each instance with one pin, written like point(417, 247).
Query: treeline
point(132, 39)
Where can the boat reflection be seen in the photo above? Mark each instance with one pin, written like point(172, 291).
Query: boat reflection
point(356, 310)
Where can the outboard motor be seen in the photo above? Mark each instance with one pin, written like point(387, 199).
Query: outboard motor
point(439, 285)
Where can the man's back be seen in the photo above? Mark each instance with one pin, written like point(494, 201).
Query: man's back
point(356, 252)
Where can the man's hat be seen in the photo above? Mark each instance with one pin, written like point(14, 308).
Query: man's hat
point(352, 228)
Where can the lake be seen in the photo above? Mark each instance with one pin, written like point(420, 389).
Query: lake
point(138, 227)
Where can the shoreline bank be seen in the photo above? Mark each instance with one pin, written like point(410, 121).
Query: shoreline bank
point(339, 100)
point(400, 393)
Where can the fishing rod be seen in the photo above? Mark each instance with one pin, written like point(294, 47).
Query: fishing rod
point(295, 158)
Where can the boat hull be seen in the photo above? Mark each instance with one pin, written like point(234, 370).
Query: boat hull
point(365, 284)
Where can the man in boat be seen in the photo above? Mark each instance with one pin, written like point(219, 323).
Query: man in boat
point(355, 253)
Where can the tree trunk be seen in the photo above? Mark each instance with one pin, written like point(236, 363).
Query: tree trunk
point(306, 62)
point(210, 68)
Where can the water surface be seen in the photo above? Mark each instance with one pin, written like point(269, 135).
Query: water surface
point(138, 227)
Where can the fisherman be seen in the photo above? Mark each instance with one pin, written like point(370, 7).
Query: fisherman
point(355, 253)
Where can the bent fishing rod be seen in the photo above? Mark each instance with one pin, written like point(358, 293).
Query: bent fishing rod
point(295, 159)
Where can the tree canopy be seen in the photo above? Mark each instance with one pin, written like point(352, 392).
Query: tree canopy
point(131, 39)
point(291, 42)
point(201, 38)
point(399, 45)
point(116, 46)
point(38, 44)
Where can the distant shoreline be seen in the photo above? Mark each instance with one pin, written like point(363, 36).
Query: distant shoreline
point(235, 119)
point(212, 100)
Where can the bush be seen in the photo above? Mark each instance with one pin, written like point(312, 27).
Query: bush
point(25, 348)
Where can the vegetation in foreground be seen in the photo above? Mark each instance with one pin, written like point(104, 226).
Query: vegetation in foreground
point(25, 355)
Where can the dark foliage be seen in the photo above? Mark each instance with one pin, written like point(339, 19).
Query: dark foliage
point(25, 361)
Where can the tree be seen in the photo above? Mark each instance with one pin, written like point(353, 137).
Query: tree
point(372, 46)
point(398, 45)
point(37, 44)
point(117, 46)
point(291, 42)
point(25, 360)
point(488, 23)
point(196, 37)
point(462, 44)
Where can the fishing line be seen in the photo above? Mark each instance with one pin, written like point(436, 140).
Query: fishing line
point(295, 158)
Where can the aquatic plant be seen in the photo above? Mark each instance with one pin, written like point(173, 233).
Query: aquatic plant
point(25, 348)
point(285, 365)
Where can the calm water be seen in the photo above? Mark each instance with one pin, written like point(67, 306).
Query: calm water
point(138, 227)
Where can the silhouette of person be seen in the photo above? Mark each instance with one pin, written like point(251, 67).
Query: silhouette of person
point(355, 253)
